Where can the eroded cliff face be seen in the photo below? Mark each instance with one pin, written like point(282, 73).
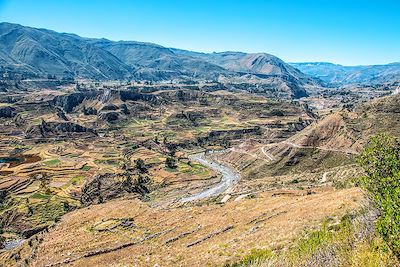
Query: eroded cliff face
point(109, 186)
point(59, 129)
point(69, 101)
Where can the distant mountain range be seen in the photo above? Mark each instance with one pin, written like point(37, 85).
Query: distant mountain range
point(38, 53)
point(41, 52)
point(341, 75)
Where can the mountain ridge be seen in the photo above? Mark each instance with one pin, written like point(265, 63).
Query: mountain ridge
point(37, 52)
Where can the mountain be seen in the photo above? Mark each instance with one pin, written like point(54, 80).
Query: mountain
point(338, 74)
point(47, 52)
point(255, 63)
point(155, 62)
point(41, 52)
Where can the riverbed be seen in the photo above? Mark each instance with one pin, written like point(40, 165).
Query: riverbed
point(229, 176)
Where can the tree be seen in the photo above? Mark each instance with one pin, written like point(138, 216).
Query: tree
point(170, 162)
point(140, 165)
point(381, 162)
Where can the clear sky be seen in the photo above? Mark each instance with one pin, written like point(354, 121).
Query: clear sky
point(348, 32)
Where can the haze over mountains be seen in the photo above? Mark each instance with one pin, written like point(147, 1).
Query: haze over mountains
point(339, 75)
point(37, 53)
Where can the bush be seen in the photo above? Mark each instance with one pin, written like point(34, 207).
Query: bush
point(140, 165)
point(381, 162)
point(170, 162)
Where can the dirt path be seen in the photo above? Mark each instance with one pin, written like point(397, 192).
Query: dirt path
point(229, 177)
point(268, 155)
point(233, 149)
point(320, 148)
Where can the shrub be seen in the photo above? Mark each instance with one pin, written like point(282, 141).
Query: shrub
point(170, 162)
point(140, 165)
point(381, 162)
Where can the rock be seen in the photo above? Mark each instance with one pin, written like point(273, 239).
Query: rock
point(70, 101)
point(225, 198)
point(109, 116)
point(7, 112)
point(89, 111)
point(241, 197)
point(61, 115)
point(30, 232)
point(109, 107)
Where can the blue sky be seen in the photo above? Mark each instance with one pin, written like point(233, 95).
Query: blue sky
point(348, 32)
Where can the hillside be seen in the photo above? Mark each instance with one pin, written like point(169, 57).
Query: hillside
point(326, 144)
point(155, 62)
point(44, 52)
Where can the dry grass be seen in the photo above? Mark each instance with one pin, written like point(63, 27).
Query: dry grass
point(265, 221)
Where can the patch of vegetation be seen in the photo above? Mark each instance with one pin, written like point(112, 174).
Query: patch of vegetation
point(86, 168)
point(52, 162)
point(171, 163)
point(49, 211)
point(256, 256)
point(350, 243)
point(381, 162)
point(38, 195)
point(112, 162)
point(76, 180)
point(194, 169)
point(140, 165)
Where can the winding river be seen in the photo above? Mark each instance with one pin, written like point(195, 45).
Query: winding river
point(229, 177)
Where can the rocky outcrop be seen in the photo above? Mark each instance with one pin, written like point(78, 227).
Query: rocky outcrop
point(109, 186)
point(58, 129)
point(7, 112)
point(193, 117)
point(124, 109)
point(134, 96)
point(70, 101)
point(232, 134)
point(19, 121)
point(109, 116)
point(89, 111)
point(33, 231)
point(62, 116)
point(109, 107)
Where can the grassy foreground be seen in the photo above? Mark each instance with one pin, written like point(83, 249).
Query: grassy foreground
point(351, 242)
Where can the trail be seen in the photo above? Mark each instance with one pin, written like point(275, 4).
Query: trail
point(233, 149)
point(268, 155)
point(320, 148)
point(229, 177)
